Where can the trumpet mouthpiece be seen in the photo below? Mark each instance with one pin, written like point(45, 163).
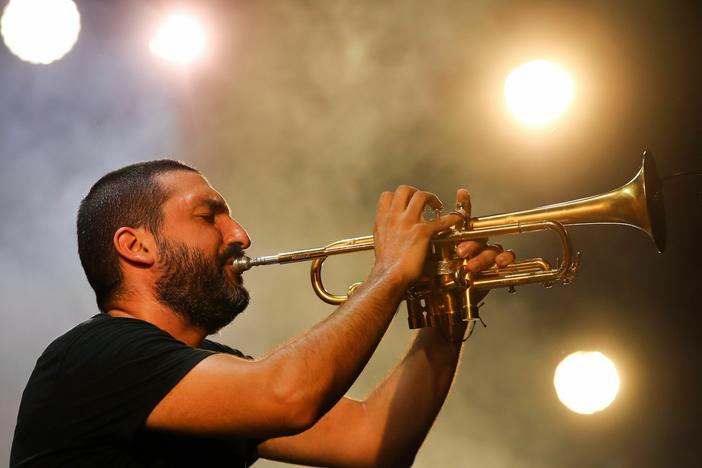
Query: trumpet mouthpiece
point(241, 264)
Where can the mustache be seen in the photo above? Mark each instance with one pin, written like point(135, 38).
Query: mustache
point(233, 251)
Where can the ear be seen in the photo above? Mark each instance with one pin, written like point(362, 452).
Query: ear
point(135, 245)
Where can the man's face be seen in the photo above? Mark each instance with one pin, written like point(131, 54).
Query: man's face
point(196, 244)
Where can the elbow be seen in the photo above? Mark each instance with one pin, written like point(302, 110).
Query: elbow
point(298, 414)
point(298, 406)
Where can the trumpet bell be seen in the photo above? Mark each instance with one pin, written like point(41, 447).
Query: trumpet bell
point(638, 203)
point(652, 187)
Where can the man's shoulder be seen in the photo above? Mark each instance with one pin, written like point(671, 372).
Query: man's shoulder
point(97, 344)
point(104, 322)
point(104, 330)
point(103, 338)
point(97, 384)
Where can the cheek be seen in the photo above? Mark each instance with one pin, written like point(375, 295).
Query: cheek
point(208, 243)
point(212, 242)
point(207, 240)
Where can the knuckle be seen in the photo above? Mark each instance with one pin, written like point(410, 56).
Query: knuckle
point(383, 198)
point(418, 230)
point(429, 198)
point(405, 188)
point(420, 196)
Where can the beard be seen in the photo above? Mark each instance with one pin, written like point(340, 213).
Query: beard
point(197, 288)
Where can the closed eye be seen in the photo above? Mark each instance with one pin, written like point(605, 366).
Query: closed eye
point(209, 217)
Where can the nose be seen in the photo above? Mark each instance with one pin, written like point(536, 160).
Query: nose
point(234, 232)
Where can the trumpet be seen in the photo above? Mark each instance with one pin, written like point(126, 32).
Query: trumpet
point(443, 296)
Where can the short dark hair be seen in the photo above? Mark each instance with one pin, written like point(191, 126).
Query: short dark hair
point(131, 196)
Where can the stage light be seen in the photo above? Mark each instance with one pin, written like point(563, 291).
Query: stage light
point(181, 39)
point(538, 92)
point(40, 31)
point(586, 382)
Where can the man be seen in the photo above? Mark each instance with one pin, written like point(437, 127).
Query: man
point(139, 385)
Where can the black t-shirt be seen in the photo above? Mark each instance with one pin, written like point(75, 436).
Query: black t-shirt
point(91, 391)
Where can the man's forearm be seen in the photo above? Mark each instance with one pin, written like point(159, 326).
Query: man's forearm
point(315, 370)
point(324, 362)
point(404, 406)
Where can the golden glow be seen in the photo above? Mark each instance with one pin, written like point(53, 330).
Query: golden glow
point(586, 382)
point(40, 31)
point(538, 92)
point(181, 39)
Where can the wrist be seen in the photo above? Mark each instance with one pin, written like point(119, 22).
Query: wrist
point(438, 345)
point(389, 276)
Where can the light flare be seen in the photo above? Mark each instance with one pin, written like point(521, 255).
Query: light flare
point(40, 31)
point(538, 92)
point(586, 382)
point(181, 39)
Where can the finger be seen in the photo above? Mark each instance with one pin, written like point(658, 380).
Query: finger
point(441, 223)
point(384, 202)
point(483, 260)
point(401, 197)
point(463, 200)
point(419, 201)
point(463, 207)
point(470, 248)
point(505, 258)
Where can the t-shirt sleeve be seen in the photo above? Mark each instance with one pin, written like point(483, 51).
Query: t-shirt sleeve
point(113, 377)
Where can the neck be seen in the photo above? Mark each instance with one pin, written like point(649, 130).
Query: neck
point(162, 317)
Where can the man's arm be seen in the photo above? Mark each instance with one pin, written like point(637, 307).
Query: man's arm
point(291, 388)
point(387, 428)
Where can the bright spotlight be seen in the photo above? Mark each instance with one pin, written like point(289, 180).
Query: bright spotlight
point(538, 92)
point(181, 39)
point(40, 31)
point(586, 382)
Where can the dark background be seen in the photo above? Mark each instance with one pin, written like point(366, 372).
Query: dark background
point(304, 111)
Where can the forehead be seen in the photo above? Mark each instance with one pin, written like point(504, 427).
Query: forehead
point(187, 189)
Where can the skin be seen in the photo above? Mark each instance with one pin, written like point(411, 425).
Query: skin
point(294, 396)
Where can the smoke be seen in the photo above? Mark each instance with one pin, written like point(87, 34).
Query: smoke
point(300, 120)
point(63, 126)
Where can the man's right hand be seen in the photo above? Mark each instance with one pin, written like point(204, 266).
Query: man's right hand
point(402, 235)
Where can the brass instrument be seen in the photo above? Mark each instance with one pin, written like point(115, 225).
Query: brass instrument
point(443, 295)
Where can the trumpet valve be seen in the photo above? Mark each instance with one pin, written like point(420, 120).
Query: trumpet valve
point(416, 312)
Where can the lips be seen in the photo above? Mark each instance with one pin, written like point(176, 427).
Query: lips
point(231, 272)
point(229, 260)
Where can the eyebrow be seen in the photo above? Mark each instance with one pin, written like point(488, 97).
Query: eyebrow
point(215, 204)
